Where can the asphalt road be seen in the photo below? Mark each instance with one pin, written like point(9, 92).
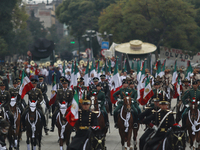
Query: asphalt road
point(50, 142)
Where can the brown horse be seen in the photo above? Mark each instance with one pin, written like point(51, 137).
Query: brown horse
point(34, 127)
point(95, 108)
point(125, 123)
point(193, 124)
point(64, 128)
point(14, 135)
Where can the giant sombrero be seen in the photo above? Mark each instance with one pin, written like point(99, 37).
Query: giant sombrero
point(136, 47)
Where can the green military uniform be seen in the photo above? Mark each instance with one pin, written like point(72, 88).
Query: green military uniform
point(135, 104)
point(126, 91)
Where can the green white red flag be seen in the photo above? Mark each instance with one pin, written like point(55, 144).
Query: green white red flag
point(189, 70)
point(26, 85)
point(175, 74)
point(86, 76)
point(72, 75)
point(177, 86)
point(116, 83)
point(72, 115)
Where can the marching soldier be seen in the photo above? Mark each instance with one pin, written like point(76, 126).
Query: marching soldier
point(148, 112)
point(80, 88)
point(168, 75)
point(5, 99)
point(126, 91)
point(86, 120)
point(182, 75)
point(43, 87)
point(193, 93)
point(163, 120)
point(185, 85)
point(101, 101)
point(59, 85)
point(36, 95)
point(196, 75)
point(64, 94)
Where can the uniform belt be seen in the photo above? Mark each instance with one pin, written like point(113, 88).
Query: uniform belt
point(84, 127)
point(162, 129)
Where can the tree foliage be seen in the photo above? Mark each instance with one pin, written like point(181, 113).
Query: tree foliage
point(169, 23)
point(81, 15)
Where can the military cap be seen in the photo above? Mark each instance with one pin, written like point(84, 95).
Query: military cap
point(95, 79)
point(157, 83)
point(86, 102)
point(103, 76)
point(41, 77)
point(131, 70)
point(34, 81)
point(185, 80)
point(15, 81)
point(128, 78)
point(156, 99)
point(65, 81)
point(131, 83)
point(2, 84)
point(62, 78)
point(163, 102)
point(80, 79)
point(194, 82)
point(18, 79)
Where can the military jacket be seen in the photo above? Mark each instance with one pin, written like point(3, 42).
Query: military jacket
point(92, 87)
point(42, 87)
point(134, 94)
point(5, 98)
point(120, 93)
point(157, 93)
point(105, 87)
point(36, 95)
point(82, 87)
point(14, 91)
point(100, 96)
point(87, 118)
point(64, 96)
point(184, 89)
point(157, 118)
point(59, 86)
point(191, 93)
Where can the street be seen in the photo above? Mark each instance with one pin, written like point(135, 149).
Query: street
point(50, 142)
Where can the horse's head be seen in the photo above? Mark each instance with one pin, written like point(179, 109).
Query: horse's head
point(32, 110)
point(63, 108)
point(97, 139)
point(13, 104)
point(127, 101)
point(177, 138)
point(193, 104)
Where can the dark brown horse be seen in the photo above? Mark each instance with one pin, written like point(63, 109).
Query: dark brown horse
point(64, 128)
point(34, 127)
point(15, 135)
point(3, 114)
point(193, 124)
point(125, 123)
point(95, 109)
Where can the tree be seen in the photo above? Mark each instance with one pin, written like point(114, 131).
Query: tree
point(81, 15)
point(168, 23)
point(3, 47)
point(52, 34)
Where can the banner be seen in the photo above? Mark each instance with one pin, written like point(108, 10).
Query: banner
point(172, 54)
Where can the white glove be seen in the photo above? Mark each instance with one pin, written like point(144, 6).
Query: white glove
point(155, 128)
point(187, 105)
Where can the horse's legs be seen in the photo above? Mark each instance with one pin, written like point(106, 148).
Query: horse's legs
point(129, 139)
point(121, 133)
point(28, 142)
point(135, 132)
point(67, 139)
point(61, 144)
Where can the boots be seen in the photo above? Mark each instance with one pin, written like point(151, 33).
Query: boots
point(115, 119)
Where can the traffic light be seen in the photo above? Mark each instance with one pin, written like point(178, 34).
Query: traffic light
point(72, 41)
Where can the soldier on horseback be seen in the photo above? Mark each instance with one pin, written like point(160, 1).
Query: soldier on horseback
point(119, 93)
point(163, 119)
point(193, 93)
point(4, 126)
point(64, 94)
point(43, 87)
point(86, 120)
point(101, 100)
point(36, 95)
point(5, 99)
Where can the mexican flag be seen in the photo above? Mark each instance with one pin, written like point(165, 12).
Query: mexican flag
point(177, 87)
point(157, 67)
point(72, 75)
point(86, 78)
point(116, 83)
point(92, 70)
point(76, 74)
point(162, 69)
point(148, 92)
point(63, 73)
point(26, 85)
point(72, 115)
point(109, 66)
point(189, 70)
point(141, 84)
point(175, 74)
point(138, 70)
point(53, 91)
